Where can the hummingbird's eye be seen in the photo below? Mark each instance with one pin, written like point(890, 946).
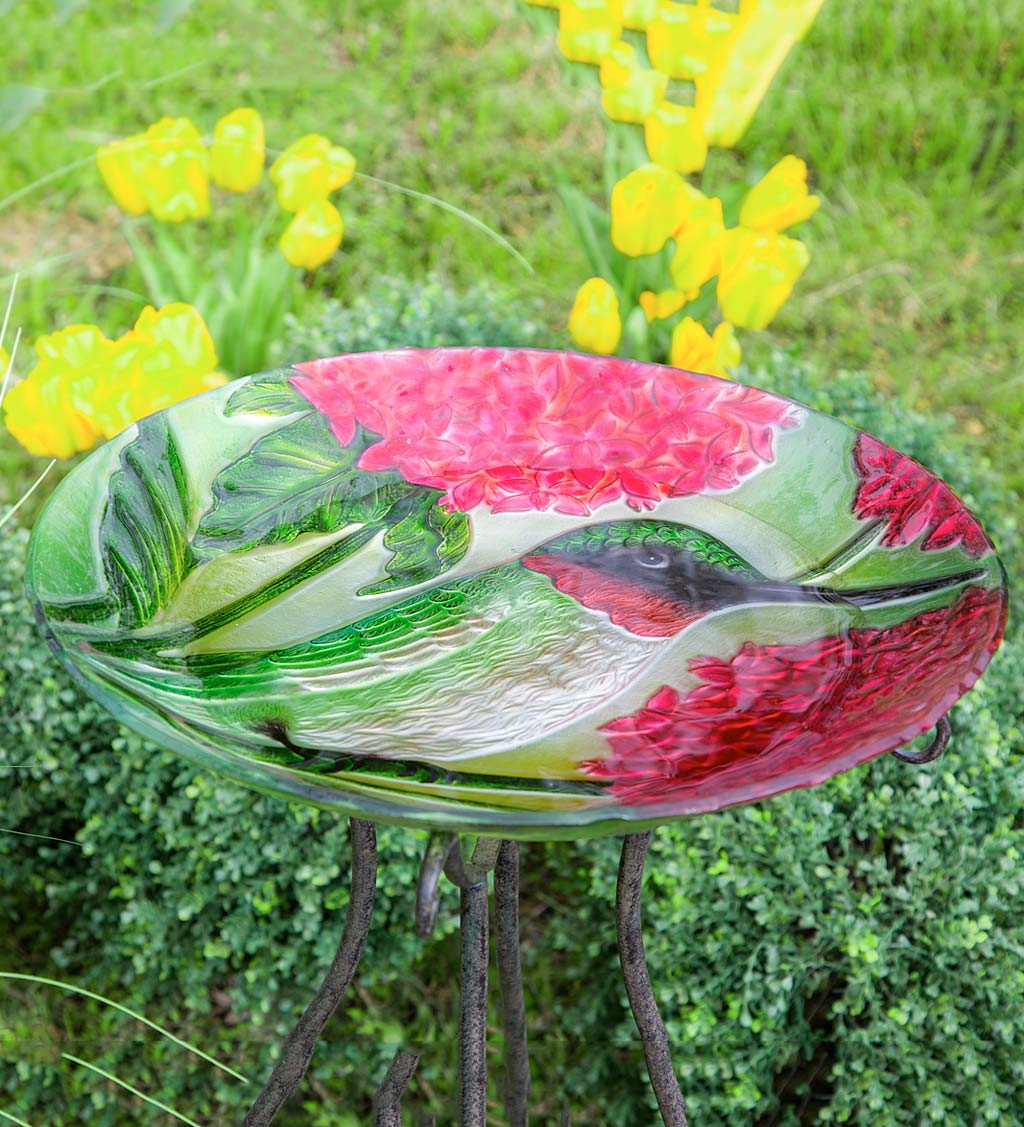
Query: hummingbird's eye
point(653, 557)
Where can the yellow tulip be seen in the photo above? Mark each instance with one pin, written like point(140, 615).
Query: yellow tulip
point(118, 164)
point(85, 385)
point(675, 137)
point(698, 245)
point(630, 92)
point(50, 411)
point(238, 150)
point(767, 32)
point(695, 350)
point(168, 356)
point(688, 40)
point(313, 235)
point(647, 207)
point(182, 328)
point(594, 323)
point(658, 306)
point(37, 416)
point(757, 275)
point(173, 167)
point(727, 352)
point(589, 29)
point(637, 14)
point(309, 170)
point(75, 359)
point(779, 199)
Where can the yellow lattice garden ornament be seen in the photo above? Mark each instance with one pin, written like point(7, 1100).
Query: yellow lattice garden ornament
point(693, 249)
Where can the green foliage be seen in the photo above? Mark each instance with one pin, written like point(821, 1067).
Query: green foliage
point(230, 269)
point(145, 524)
point(847, 954)
point(402, 313)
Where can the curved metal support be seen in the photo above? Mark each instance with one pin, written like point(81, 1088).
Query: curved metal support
point(298, 1049)
point(473, 1008)
point(388, 1103)
point(466, 874)
point(638, 982)
point(938, 745)
point(428, 895)
point(510, 974)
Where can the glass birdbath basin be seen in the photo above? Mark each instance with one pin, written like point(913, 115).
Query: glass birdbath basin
point(520, 594)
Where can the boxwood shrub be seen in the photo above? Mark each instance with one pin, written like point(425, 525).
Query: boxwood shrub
point(849, 954)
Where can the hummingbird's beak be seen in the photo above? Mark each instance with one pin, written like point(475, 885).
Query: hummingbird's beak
point(873, 596)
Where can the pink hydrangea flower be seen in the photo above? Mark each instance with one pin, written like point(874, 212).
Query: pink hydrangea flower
point(912, 502)
point(797, 710)
point(528, 430)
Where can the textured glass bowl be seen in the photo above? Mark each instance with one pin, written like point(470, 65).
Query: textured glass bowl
point(531, 594)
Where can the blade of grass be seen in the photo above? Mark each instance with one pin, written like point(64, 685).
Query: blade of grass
point(445, 206)
point(128, 1088)
point(13, 1119)
point(7, 312)
point(10, 365)
point(56, 174)
point(131, 1013)
point(43, 837)
point(28, 492)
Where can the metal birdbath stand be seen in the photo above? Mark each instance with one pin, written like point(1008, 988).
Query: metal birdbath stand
point(443, 856)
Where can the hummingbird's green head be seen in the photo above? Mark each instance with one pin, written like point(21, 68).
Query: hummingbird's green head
point(652, 577)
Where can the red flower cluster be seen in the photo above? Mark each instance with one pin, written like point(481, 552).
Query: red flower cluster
point(527, 430)
point(781, 716)
point(894, 488)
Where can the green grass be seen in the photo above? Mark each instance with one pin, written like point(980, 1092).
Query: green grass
point(905, 113)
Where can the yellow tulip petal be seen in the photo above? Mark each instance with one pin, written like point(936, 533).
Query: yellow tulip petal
point(647, 207)
point(74, 347)
point(657, 306)
point(341, 167)
point(779, 199)
point(630, 92)
point(238, 150)
point(309, 170)
point(698, 245)
point(589, 29)
point(757, 275)
point(767, 33)
point(674, 136)
point(118, 166)
point(173, 166)
point(39, 413)
point(182, 328)
point(313, 235)
point(692, 348)
point(637, 14)
point(689, 40)
point(594, 323)
point(727, 352)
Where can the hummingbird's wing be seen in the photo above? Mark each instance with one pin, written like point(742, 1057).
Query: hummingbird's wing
point(466, 668)
point(415, 633)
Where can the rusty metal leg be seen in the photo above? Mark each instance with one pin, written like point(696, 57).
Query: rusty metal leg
point(638, 982)
point(473, 1012)
point(510, 974)
point(388, 1104)
point(428, 893)
point(298, 1049)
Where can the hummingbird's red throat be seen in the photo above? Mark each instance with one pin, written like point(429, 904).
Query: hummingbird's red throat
point(628, 605)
